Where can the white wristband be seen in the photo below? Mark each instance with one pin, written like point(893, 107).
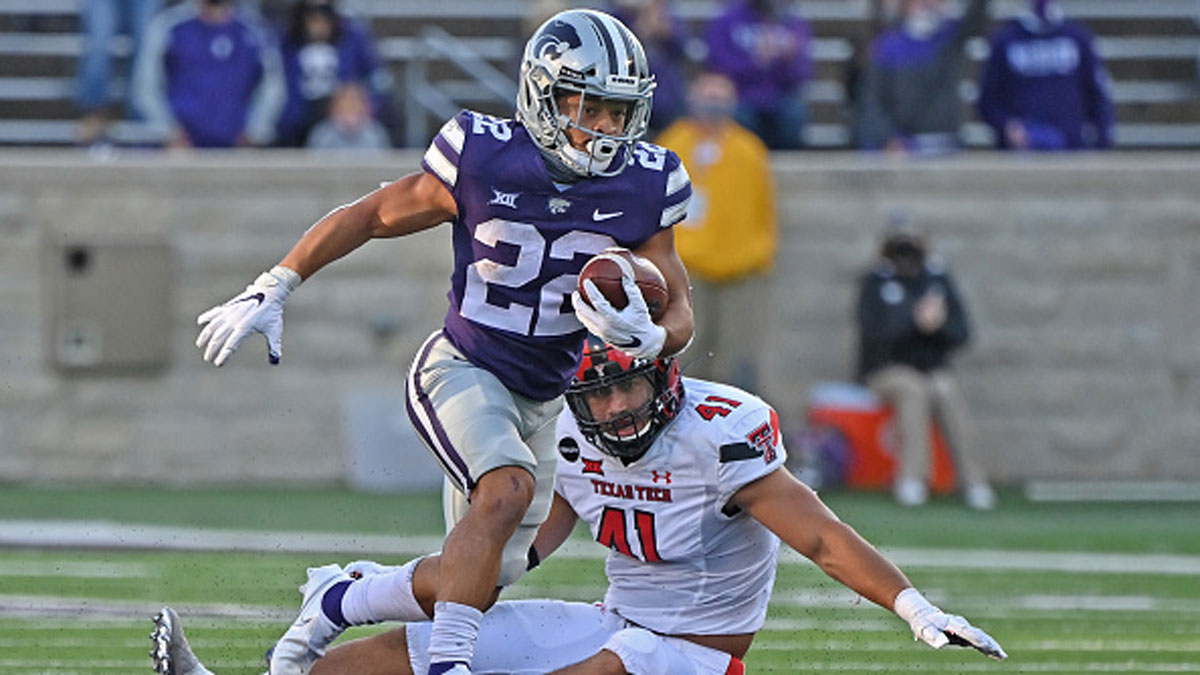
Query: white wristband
point(287, 277)
point(909, 604)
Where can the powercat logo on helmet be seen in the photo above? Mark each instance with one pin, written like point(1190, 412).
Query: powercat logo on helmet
point(555, 40)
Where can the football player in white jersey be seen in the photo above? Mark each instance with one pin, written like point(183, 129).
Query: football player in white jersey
point(529, 200)
point(684, 481)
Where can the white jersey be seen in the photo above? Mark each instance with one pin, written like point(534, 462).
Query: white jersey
point(682, 560)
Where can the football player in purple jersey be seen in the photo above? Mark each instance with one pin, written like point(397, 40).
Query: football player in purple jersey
point(529, 201)
point(683, 481)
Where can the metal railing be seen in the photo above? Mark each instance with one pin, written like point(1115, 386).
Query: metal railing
point(443, 99)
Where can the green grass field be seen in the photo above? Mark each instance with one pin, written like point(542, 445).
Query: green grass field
point(1066, 588)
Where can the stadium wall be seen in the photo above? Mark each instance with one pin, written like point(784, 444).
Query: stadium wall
point(1082, 274)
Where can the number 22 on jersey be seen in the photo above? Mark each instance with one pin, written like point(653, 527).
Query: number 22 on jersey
point(518, 317)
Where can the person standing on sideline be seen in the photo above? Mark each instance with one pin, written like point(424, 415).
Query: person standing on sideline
point(729, 238)
point(529, 201)
point(910, 321)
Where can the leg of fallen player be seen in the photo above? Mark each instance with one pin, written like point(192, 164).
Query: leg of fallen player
point(602, 663)
point(383, 654)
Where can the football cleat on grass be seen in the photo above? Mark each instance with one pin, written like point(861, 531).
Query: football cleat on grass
point(312, 632)
point(170, 653)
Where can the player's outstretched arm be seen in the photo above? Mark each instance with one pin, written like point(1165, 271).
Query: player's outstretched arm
point(410, 204)
point(792, 511)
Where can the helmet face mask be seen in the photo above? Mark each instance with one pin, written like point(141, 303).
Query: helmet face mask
point(645, 393)
point(594, 55)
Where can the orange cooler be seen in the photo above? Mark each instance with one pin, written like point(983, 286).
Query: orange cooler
point(871, 435)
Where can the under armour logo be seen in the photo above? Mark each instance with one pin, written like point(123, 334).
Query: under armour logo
point(508, 199)
point(593, 466)
point(665, 476)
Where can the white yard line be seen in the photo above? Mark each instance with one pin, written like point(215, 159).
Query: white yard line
point(104, 534)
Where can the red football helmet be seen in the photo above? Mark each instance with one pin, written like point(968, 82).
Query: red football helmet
point(606, 370)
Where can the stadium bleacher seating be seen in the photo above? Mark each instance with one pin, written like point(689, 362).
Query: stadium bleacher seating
point(455, 53)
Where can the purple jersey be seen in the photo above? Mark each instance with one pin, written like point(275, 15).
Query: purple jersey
point(520, 241)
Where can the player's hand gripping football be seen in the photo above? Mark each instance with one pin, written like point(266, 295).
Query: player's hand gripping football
point(938, 629)
point(629, 329)
point(258, 309)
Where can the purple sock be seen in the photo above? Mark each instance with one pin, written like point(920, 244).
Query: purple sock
point(331, 603)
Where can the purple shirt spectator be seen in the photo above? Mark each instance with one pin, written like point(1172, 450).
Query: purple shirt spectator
point(1045, 88)
point(765, 50)
point(315, 65)
point(209, 77)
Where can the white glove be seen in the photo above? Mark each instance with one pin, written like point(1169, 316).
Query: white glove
point(938, 629)
point(258, 309)
point(629, 329)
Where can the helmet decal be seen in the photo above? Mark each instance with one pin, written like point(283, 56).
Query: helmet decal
point(555, 39)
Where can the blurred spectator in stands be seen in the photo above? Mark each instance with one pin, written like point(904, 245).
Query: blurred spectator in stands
point(101, 21)
point(880, 13)
point(730, 235)
point(209, 77)
point(665, 38)
point(322, 48)
point(1044, 87)
point(350, 125)
point(766, 50)
point(910, 97)
point(910, 321)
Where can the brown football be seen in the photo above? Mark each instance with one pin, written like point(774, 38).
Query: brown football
point(606, 270)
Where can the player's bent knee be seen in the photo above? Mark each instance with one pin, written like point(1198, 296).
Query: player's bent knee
point(641, 651)
point(504, 493)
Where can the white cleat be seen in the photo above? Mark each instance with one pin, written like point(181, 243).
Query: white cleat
point(312, 632)
point(170, 653)
point(910, 492)
point(980, 496)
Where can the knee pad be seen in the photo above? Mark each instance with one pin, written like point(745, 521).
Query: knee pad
point(642, 652)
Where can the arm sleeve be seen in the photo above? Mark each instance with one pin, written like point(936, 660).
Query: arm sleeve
point(957, 329)
point(268, 99)
point(1097, 96)
point(445, 150)
point(875, 126)
point(149, 86)
point(992, 85)
point(678, 192)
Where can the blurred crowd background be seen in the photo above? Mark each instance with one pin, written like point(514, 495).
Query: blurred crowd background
point(902, 75)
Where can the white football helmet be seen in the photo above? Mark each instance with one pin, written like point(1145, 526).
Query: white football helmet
point(591, 53)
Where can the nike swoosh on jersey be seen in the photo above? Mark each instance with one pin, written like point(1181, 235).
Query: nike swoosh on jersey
point(597, 215)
